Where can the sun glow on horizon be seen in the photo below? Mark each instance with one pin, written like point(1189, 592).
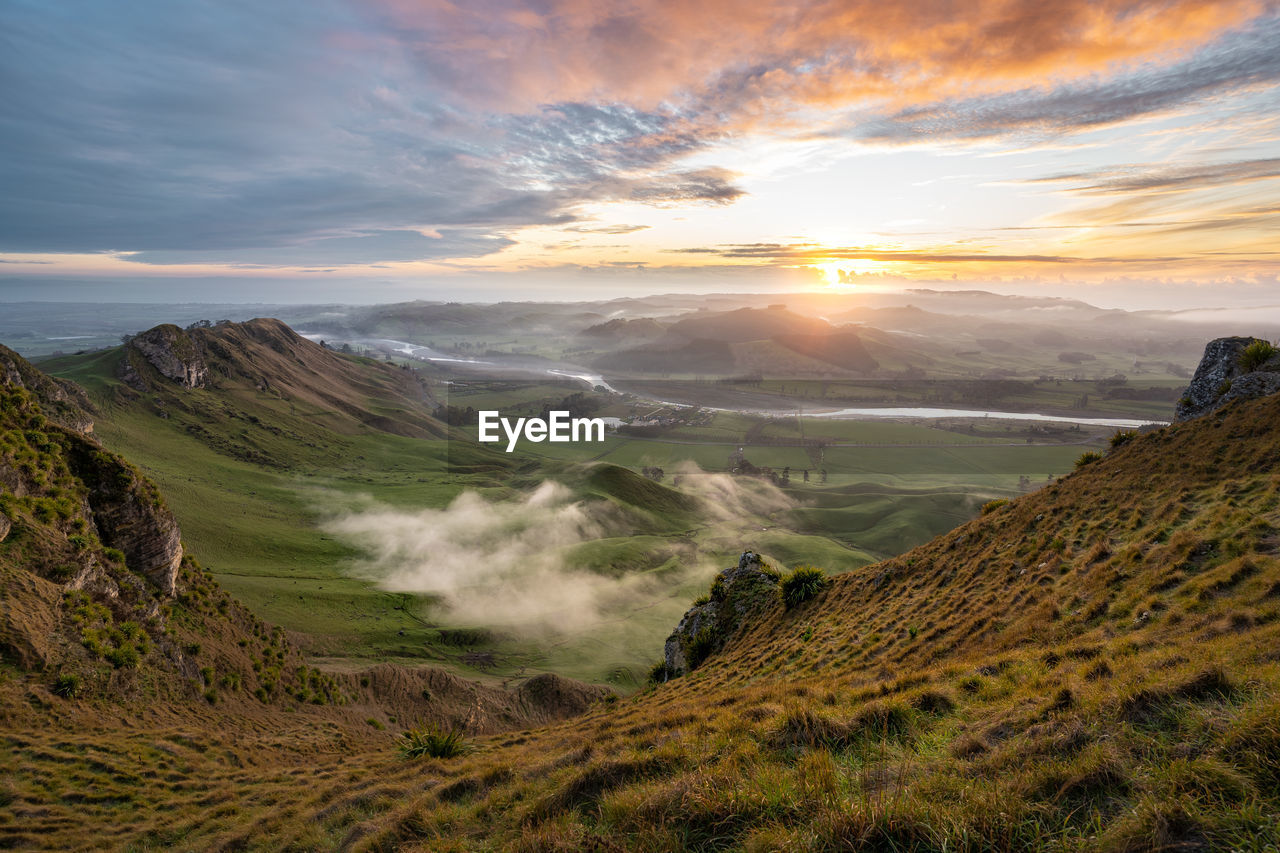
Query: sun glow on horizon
point(835, 273)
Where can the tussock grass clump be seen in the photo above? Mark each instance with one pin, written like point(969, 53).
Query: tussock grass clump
point(1146, 706)
point(700, 647)
point(1091, 781)
point(805, 727)
point(801, 585)
point(67, 686)
point(1123, 437)
point(590, 784)
point(1255, 355)
point(1253, 743)
point(1088, 457)
point(933, 702)
point(660, 673)
point(434, 743)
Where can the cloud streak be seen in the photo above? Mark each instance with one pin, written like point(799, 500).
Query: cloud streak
point(1166, 178)
point(808, 253)
point(1240, 60)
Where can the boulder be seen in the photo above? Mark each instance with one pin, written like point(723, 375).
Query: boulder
point(736, 593)
point(1221, 378)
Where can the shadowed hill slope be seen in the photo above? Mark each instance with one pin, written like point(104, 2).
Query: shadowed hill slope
point(745, 340)
point(62, 401)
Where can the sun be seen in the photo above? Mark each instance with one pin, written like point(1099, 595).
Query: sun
point(835, 273)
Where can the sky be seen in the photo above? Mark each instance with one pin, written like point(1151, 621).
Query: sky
point(1123, 152)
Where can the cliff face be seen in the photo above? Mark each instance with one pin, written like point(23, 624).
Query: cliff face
point(173, 354)
point(1226, 372)
point(75, 520)
point(63, 402)
point(128, 513)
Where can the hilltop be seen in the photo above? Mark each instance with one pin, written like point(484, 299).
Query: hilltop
point(742, 340)
point(247, 428)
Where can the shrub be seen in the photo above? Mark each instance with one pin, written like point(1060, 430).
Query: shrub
point(801, 585)
point(699, 647)
point(1123, 437)
point(1087, 457)
point(67, 686)
point(123, 656)
point(435, 743)
point(1255, 355)
point(660, 673)
point(992, 506)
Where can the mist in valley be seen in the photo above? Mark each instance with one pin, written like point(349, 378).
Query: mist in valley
point(511, 565)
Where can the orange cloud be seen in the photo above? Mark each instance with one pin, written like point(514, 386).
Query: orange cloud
point(753, 57)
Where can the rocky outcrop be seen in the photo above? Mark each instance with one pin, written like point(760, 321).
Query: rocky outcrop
point(1224, 374)
point(736, 593)
point(173, 353)
point(129, 514)
point(65, 403)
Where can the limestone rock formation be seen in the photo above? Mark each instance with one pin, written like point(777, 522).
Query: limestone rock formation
point(1222, 377)
point(173, 353)
point(737, 592)
point(121, 505)
point(129, 514)
point(63, 402)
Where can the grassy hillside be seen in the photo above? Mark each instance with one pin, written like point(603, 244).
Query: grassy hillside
point(280, 439)
point(250, 463)
point(1092, 666)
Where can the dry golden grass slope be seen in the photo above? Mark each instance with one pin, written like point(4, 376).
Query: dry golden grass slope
point(1095, 666)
